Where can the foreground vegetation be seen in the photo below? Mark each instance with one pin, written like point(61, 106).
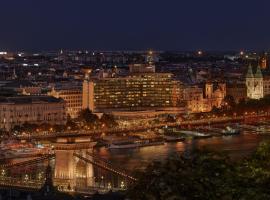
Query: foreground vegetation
point(206, 175)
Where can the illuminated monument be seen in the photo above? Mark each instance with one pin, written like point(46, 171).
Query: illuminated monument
point(254, 83)
point(70, 171)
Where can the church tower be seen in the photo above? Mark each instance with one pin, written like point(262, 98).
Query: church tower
point(208, 90)
point(254, 83)
point(258, 84)
point(249, 81)
point(263, 62)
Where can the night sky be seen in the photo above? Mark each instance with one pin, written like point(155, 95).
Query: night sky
point(135, 24)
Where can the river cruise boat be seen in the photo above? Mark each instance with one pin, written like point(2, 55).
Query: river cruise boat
point(129, 144)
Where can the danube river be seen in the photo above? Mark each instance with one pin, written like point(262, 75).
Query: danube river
point(136, 159)
point(78, 168)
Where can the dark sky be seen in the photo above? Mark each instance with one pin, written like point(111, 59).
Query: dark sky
point(135, 24)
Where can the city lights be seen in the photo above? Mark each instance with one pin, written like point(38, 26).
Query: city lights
point(150, 100)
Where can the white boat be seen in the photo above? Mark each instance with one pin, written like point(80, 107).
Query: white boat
point(124, 145)
point(263, 129)
point(173, 138)
point(196, 134)
point(230, 131)
point(151, 142)
point(17, 149)
point(129, 144)
point(22, 153)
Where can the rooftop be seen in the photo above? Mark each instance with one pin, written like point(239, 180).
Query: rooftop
point(21, 83)
point(29, 99)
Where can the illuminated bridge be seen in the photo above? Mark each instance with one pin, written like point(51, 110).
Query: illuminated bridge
point(104, 165)
point(79, 171)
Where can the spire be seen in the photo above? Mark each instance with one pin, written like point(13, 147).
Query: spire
point(249, 72)
point(258, 72)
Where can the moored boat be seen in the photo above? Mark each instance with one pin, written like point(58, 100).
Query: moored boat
point(124, 144)
point(129, 144)
point(196, 135)
point(230, 131)
point(174, 138)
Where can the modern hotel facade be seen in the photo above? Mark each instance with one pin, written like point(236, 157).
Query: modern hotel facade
point(143, 90)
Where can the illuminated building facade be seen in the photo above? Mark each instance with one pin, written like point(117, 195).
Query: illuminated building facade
point(263, 62)
point(135, 92)
point(204, 99)
point(31, 109)
point(266, 85)
point(73, 98)
point(254, 83)
point(238, 91)
point(193, 95)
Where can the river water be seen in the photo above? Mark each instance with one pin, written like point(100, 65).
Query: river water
point(75, 172)
point(137, 159)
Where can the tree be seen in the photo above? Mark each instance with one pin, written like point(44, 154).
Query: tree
point(17, 128)
point(170, 118)
point(87, 117)
point(108, 120)
point(229, 102)
point(2, 132)
point(215, 110)
point(71, 125)
point(29, 127)
point(204, 175)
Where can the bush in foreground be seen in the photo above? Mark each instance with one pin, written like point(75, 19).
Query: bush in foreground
point(206, 175)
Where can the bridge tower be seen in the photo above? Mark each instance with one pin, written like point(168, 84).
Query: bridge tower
point(70, 172)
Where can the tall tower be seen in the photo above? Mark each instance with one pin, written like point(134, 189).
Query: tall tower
point(250, 82)
point(88, 95)
point(208, 90)
point(263, 61)
point(222, 87)
point(258, 84)
point(14, 75)
point(150, 58)
point(254, 83)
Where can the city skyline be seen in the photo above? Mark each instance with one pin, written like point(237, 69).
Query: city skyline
point(121, 25)
point(134, 100)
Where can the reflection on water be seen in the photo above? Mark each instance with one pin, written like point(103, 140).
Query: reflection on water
point(236, 146)
point(71, 171)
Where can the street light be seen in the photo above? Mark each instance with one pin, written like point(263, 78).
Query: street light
point(122, 184)
point(3, 172)
point(102, 181)
point(39, 176)
point(109, 185)
point(26, 178)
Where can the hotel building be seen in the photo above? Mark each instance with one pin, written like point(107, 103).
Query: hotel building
point(31, 109)
point(141, 90)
